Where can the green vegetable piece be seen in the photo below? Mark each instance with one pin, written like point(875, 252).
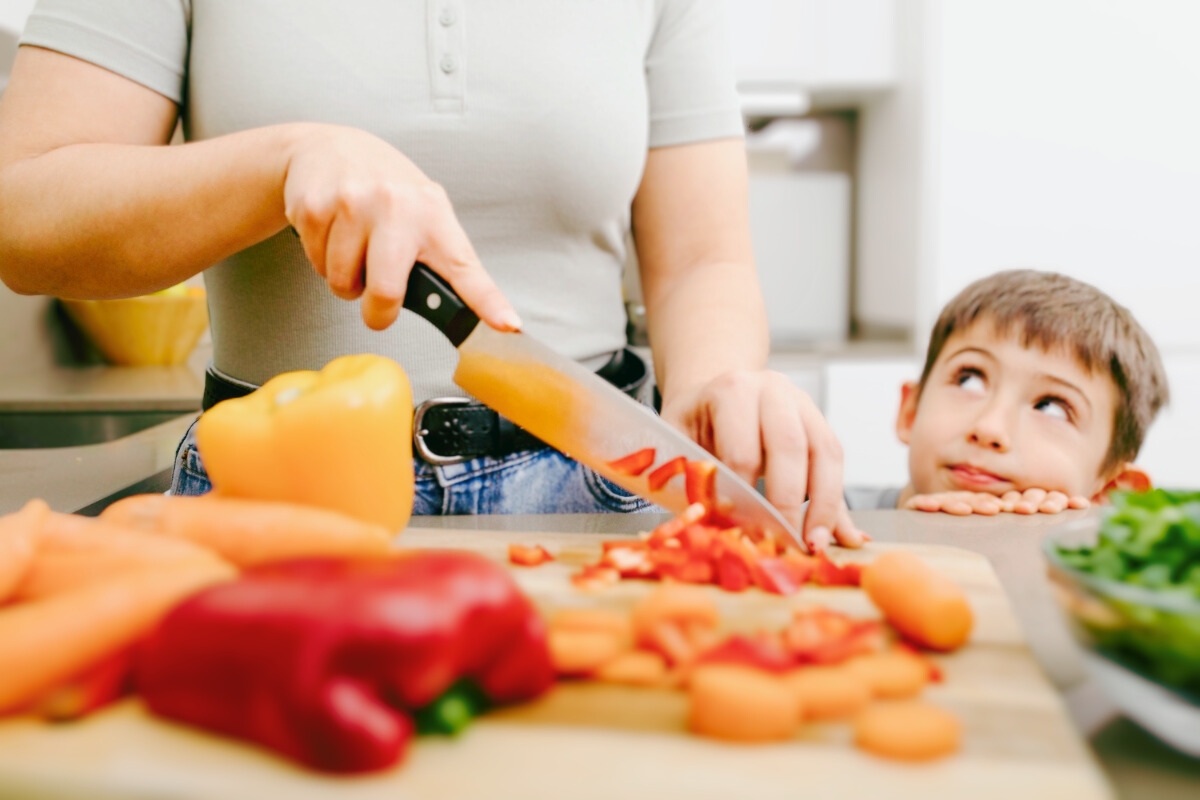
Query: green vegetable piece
point(453, 711)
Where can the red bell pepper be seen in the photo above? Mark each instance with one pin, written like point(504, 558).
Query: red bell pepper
point(325, 660)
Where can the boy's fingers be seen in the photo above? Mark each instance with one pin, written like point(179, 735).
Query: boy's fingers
point(1054, 503)
point(986, 504)
point(1030, 500)
point(1009, 500)
point(1078, 502)
point(959, 508)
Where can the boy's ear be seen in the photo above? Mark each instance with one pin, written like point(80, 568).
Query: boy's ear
point(909, 396)
point(1127, 478)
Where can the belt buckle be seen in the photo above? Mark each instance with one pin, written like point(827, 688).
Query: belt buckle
point(420, 431)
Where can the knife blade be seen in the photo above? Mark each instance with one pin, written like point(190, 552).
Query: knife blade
point(574, 410)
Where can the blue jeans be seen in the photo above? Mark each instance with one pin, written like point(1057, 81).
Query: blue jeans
point(531, 482)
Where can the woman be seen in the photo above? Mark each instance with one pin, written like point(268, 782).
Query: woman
point(528, 136)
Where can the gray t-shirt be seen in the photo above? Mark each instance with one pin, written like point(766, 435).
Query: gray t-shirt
point(871, 498)
point(535, 115)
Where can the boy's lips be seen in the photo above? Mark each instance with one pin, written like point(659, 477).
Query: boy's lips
point(969, 476)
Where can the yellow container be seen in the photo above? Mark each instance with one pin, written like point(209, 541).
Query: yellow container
point(155, 329)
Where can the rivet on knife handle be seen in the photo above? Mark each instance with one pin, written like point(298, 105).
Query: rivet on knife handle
point(431, 298)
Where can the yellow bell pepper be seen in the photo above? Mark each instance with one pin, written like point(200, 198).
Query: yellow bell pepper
point(340, 439)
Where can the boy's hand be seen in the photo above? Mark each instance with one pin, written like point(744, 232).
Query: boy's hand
point(1030, 501)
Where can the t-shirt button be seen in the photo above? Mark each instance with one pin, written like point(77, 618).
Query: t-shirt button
point(447, 17)
point(449, 63)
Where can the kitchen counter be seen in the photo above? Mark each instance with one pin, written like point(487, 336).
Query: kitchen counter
point(73, 478)
point(103, 388)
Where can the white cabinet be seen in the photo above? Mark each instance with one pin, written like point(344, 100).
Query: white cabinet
point(816, 46)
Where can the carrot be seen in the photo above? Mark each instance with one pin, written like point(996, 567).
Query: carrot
point(921, 603)
point(675, 620)
point(45, 643)
point(827, 692)
point(893, 674)
point(634, 668)
point(98, 685)
point(741, 704)
point(73, 551)
point(578, 652)
point(249, 532)
point(605, 620)
point(18, 544)
point(909, 730)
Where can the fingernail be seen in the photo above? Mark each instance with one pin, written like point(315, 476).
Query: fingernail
point(509, 320)
point(819, 538)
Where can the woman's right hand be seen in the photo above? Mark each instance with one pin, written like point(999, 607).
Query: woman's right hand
point(365, 214)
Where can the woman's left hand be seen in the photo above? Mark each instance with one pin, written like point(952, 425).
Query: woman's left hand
point(760, 424)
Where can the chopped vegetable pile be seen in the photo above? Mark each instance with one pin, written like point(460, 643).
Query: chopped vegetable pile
point(1151, 539)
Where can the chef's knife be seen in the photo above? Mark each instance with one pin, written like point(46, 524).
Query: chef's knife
point(574, 410)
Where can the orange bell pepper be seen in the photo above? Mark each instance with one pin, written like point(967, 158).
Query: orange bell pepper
point(339, 439)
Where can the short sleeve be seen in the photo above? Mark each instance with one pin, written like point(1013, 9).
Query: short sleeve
point(143, 40)
point(689, 75)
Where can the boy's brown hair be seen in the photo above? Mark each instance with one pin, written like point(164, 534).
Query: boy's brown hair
point(1054, 311)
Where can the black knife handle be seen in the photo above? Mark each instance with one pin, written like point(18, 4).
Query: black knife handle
point(430, 297)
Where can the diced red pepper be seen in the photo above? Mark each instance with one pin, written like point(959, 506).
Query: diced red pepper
point(780, 575)
point(672, 527)
point(595, 576)
point(828, 573)
point(661, 475)
point(524, 555)
point(700, 483)
point(762, 651)
point(635, 463)
point(630, 560)
point(822, 636)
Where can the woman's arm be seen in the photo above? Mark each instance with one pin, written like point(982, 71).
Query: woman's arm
point(707, 326)
point(94, 204)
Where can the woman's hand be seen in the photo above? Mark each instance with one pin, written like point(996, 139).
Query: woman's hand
point(759, 423)
point(1030, 501)
point(365, 214)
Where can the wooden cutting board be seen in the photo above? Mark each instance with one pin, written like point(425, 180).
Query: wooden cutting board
point(591, 740)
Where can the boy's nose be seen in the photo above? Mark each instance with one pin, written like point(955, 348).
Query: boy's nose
point(991, 430)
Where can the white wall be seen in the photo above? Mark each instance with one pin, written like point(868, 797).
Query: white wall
point(14, 12)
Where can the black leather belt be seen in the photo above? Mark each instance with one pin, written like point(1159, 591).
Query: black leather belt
point(449, 430)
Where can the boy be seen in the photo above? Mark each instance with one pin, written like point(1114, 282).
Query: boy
point(1036, 395)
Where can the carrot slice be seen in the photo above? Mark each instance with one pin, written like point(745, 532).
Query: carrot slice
point(673, 607)
point(828, 692)
point(576, 652)
point(634, 668)
point(741, 704)
point(249, 532)
point(921, 603)
point(74, 631)
point(909, 730)
point(892, 674)
point(605, 620)
point(18, 544)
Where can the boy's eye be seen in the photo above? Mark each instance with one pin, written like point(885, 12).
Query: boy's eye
point(970, 379)
point(1054, 407)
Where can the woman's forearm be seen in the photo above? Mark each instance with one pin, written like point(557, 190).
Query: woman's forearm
point(111, 220)
point(706, 322)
